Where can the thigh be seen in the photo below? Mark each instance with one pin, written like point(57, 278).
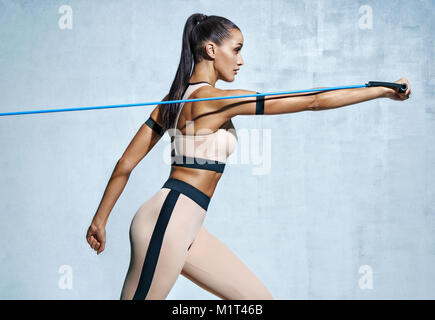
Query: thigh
point(214, 267)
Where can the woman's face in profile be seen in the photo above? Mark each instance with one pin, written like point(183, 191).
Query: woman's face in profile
point(229, 57)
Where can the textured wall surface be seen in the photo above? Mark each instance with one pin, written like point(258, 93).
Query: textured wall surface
point(336, 204)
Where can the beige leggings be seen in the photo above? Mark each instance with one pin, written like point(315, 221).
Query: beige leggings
point(167, 239)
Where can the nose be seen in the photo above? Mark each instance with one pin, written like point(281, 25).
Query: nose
point(241, 62)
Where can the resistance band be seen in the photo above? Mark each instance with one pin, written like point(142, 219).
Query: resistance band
point(400, 87)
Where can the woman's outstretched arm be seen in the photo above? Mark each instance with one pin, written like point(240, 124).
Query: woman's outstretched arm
point(144, 140)
point(295, 102)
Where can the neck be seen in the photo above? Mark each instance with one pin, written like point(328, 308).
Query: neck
point(204, 71)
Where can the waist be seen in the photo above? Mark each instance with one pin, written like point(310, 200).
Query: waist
point(190, 191)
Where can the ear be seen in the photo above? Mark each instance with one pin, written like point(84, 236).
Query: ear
point(210, 49)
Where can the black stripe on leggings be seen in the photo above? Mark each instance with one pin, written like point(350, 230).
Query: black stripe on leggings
point(153, 251)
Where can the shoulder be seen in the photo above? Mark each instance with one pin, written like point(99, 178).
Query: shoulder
point(203, 92)
point(209, 92)
point(229, 107)
point(156, 115)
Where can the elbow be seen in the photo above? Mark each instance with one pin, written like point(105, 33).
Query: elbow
point(124, 166)
point(314, 105)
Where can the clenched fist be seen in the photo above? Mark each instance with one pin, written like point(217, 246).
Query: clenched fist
point(393, 94)
point(96, 237)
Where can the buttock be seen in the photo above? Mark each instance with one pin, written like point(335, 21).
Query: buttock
point(189, 209)
point(161, 234)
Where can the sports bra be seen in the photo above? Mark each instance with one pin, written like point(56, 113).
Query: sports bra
point(201, 151)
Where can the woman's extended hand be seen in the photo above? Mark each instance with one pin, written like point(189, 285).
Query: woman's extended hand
point(393, 94)
point(96, 237)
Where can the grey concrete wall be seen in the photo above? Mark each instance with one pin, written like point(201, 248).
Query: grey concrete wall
point(336, 204)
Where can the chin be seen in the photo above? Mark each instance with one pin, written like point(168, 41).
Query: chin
point(229, 80)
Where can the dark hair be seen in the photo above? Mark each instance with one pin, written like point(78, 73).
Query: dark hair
point(199, 28)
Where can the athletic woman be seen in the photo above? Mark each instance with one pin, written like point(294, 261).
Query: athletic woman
point(167, 235)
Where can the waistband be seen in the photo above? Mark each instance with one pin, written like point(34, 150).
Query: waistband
point(192, 192)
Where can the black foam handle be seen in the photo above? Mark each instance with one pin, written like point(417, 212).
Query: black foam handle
point(400, 87)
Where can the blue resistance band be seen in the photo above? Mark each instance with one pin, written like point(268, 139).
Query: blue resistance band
point(400, 87)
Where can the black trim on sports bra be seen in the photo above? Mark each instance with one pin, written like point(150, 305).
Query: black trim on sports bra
point(190, 162)
point(154, 125)
point(259, 108)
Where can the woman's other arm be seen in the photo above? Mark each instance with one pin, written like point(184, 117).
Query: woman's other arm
point(142, 143)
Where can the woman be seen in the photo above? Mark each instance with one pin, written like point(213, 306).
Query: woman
point(166, 234)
